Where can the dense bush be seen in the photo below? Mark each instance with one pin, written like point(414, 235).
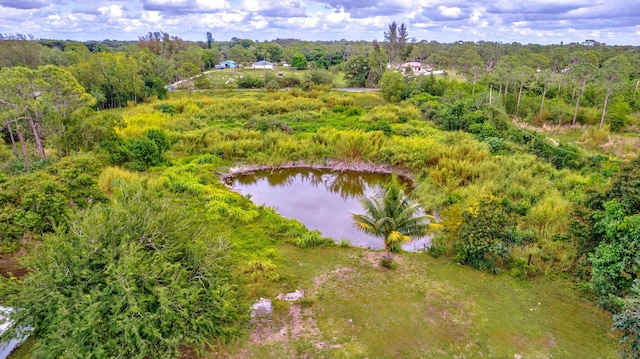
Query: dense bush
point(250, 82)
point(37, 203)
point(486, 234)
point(148, 151)
point(319, 77)
point(460, 115)
point(141, 277)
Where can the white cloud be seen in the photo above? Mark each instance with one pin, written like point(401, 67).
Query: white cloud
point(152, 17)
point(112, 11)
point(212, 5)
point(475, 16)
point(453, 12)
point(544, 21)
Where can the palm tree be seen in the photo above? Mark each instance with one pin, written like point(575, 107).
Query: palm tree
point(393, 216)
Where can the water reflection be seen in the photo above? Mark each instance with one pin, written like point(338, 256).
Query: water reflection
point(319, 199)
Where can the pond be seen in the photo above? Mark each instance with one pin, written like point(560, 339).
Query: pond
point(319, 199)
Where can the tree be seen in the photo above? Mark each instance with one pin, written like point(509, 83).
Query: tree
point(209, 40)
point(189, 70)
point(614, 70)
point(616, 261)
point(396, 40)
point(45, 99)
point(404, 48)
point(356, 71)
point(470, 63)
point(63, 96)
point(20, 52)
point(585, 64)
point(523, 73)
point(377, 65)
point(393, 216)
point(544, 78)
point(299, 61)
point(237, 54)
point(580, 73)
point(393, 86)
point(136, 278)
point(391, 38)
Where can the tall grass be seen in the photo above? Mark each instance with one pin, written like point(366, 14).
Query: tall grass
point(109, 175)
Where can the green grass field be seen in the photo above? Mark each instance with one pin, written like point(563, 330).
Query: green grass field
point(424, 308)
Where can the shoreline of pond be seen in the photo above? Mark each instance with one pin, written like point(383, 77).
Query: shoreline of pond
point(331, 165)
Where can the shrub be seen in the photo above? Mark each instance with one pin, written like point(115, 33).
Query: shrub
point(267, 124)
point(486, 233)
point(258, 269)
point(288, 81)
point(168, 108)
point(344, 243)
point(312, 239)
point(319, 77)
point(145, 153)
point(387, 263)
point(458, 116)
point(249, 82)
point(393, 87)
point(141, 277)
point(148, 151)
point(627, 322)
point(381, 126)
point(299, 61)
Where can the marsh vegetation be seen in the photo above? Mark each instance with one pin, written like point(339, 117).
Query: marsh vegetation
point(119, 237)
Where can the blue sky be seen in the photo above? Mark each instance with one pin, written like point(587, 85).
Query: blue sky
point(614, 22)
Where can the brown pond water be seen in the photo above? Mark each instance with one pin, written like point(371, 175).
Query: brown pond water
point(319, 199)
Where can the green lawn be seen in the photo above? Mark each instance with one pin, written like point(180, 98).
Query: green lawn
point(424, 308)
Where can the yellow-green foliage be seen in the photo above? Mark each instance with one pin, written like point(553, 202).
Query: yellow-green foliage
point(520, 177)
point(392, 114)
point(184, 179)
point(549, 216)
point(258, 269)
point(352, 145)
point(338, 98)
point(140, 119)
point(422, 153)
point(110, 174)
point(220, 202)
point(597, 136)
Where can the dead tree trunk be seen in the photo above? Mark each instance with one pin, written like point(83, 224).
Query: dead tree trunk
point(544, 93)
point(13, 140)
point(23, 144)
point(36, 135)
point(604, 108)
point(575, 113)
point(518, 104)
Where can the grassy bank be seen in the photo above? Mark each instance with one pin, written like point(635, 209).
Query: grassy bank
point(425, 308)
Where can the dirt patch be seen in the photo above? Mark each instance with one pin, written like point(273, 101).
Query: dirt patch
point(9, 265)
point(298, 324)
point(341, 273)
point(374, 258)
point(623, 147)
point(543, 344)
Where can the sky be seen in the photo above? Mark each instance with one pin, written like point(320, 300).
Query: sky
point(614, 22)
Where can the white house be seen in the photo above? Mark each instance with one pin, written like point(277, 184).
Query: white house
point(263, 65)
point(416, 67)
